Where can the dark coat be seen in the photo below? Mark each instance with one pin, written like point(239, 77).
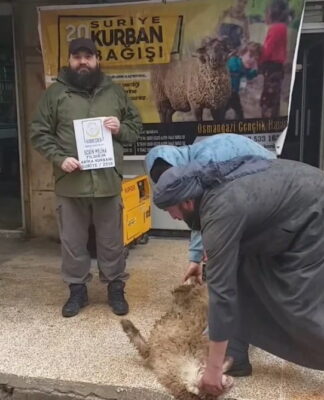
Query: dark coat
point(264, 237)
point(52, 133)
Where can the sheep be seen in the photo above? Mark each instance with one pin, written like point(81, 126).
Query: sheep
point(194, 84)
point(177, 348)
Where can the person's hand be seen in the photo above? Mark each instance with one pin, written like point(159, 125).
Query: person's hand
point(70, 164)
point(194, 270)
point(214, 381)
point(113, 124)
point(205, 258)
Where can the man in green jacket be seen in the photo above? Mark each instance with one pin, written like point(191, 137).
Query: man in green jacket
point(85, 196)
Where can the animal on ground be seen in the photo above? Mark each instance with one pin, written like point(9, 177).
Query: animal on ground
point(201, 82)
point(177, 347)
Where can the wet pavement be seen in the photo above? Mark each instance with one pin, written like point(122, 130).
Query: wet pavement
point(90, 353)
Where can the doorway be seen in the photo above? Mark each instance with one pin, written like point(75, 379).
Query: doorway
point(303, 140)
point(10, 191)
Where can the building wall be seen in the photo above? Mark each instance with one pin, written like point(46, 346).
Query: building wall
point(38, 196)
point(39, 200)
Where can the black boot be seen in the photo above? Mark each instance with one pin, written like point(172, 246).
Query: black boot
point(239, 351)
point(78, 299)
point(116, 298)
point(240, 369)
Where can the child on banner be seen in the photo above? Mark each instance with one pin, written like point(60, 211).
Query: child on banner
point(273, 57)
point(242, 65)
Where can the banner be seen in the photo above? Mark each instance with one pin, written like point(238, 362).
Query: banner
point(193, 68)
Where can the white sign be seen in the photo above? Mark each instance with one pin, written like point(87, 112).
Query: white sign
point(94, 143)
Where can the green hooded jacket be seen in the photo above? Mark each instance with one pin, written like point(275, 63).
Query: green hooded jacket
point(52, 134)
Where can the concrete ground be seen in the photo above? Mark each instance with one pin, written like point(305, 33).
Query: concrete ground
point(42, 354)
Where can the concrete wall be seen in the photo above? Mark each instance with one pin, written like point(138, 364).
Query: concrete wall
point(37, 172)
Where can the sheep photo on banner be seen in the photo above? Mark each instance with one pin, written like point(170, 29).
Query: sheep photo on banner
point(193, 68)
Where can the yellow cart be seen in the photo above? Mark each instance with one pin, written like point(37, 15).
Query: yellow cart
point(136, 196)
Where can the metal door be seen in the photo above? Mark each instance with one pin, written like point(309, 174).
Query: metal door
point(303, 141)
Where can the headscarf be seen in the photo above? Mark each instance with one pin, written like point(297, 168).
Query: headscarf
point(179, 184)
point(176, 156)
point(216, 148)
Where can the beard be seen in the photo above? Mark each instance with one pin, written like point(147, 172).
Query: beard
point(192, 218)
point(84, 78)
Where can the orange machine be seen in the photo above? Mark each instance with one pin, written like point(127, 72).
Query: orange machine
point(136, 197)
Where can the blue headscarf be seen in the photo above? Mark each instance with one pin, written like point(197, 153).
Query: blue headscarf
point(216, 148)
